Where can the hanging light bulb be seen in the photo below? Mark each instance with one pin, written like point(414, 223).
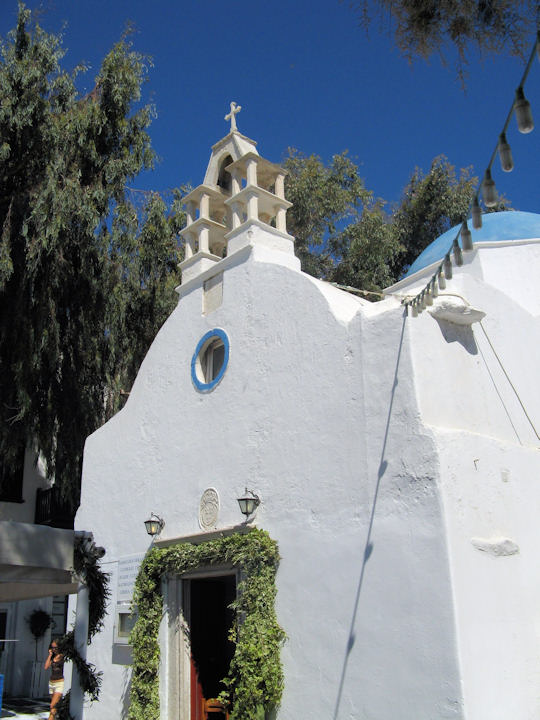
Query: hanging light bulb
point(428, 295)
point(419, 305)
point(434, 287)
point(489, 192)
point(414, 309)
point(423, 299)
point(466, 237)
point(442, 280)
point(447, 267)
point(476, 212)
point(505, 154)
point(522, 108)
point(458, 256)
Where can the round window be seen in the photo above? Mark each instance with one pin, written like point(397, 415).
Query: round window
point(210, 359)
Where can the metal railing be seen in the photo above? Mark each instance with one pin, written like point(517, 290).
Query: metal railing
point(52, 509)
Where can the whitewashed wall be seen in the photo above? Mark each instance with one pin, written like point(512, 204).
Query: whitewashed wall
point(474, 386)
point(318, 396)
point(394, 465)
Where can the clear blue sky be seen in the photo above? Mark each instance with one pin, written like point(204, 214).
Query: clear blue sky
point(306, 76)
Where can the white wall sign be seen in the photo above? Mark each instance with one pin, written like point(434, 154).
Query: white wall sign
point(128, 567)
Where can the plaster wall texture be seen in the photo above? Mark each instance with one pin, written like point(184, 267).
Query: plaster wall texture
point(317, 413)
point(468, 380)
point(491, 505)
point(509, 270)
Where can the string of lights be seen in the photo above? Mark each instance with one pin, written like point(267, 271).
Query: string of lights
point(486, 188)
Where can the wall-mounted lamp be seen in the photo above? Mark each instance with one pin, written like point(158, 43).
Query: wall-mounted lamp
point(249, 503)
point(154, 525)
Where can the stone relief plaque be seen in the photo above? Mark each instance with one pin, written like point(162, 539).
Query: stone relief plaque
point(209, 509)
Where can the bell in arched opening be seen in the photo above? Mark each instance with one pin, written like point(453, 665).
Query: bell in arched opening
point(224, 180)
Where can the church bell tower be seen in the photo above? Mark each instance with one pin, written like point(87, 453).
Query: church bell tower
point(240, 203)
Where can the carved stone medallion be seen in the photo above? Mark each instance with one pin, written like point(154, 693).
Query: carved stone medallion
point(209, 509)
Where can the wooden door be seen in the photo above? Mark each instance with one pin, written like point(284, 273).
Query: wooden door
point(197, 697)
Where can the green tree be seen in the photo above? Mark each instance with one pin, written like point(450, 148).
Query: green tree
point(424, 27)
point(369, 251)
point(325, 200)
point(430, 205)
point(343, 235)
point(78, 263)
point(145, 254)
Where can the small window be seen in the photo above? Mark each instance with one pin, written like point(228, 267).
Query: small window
point(59, 616)
point(125, 622)
point(210, 360)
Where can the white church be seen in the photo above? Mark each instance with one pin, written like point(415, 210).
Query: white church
point(395, 461)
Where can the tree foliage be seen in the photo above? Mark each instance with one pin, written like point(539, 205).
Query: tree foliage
point(370, 249)
point(324, 199)
point(424, 27)
point(364, 244)
point(430, 205)
point(80, 268)
point(145, 254)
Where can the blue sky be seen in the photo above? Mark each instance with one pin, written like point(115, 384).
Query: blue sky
point(306, 76)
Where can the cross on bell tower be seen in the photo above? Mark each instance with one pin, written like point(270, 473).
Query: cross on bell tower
point(235, 109)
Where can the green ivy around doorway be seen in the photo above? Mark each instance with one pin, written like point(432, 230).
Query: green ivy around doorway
point(255, 678)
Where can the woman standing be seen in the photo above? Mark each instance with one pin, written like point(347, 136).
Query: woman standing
point(55, 661)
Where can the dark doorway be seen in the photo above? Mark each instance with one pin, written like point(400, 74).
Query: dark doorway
point(211, 650)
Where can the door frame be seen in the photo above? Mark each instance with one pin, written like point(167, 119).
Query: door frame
point(7, 657)
point(174, 641)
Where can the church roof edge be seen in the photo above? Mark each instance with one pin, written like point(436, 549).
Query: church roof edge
point(230, 136)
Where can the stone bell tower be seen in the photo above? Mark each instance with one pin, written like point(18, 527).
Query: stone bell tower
point(240, 203)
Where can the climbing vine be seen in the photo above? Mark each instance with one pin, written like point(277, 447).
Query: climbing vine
point(87, 568)
point(254, 682)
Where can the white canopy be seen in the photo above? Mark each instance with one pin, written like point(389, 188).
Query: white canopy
point(35, 561)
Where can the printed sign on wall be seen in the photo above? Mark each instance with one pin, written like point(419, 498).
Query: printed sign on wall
point(128, 567)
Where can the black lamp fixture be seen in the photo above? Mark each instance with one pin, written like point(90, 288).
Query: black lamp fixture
point(154, 525)
point(476, 213)
point(522, 108)
point(249, 503)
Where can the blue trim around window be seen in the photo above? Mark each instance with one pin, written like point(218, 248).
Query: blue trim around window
point(215, 333)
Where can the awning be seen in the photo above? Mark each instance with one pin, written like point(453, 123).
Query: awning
point(35, 561)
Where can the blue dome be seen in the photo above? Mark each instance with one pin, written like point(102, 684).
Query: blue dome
point(496, 227)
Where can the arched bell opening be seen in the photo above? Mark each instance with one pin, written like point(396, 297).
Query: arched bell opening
point(224, 180)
